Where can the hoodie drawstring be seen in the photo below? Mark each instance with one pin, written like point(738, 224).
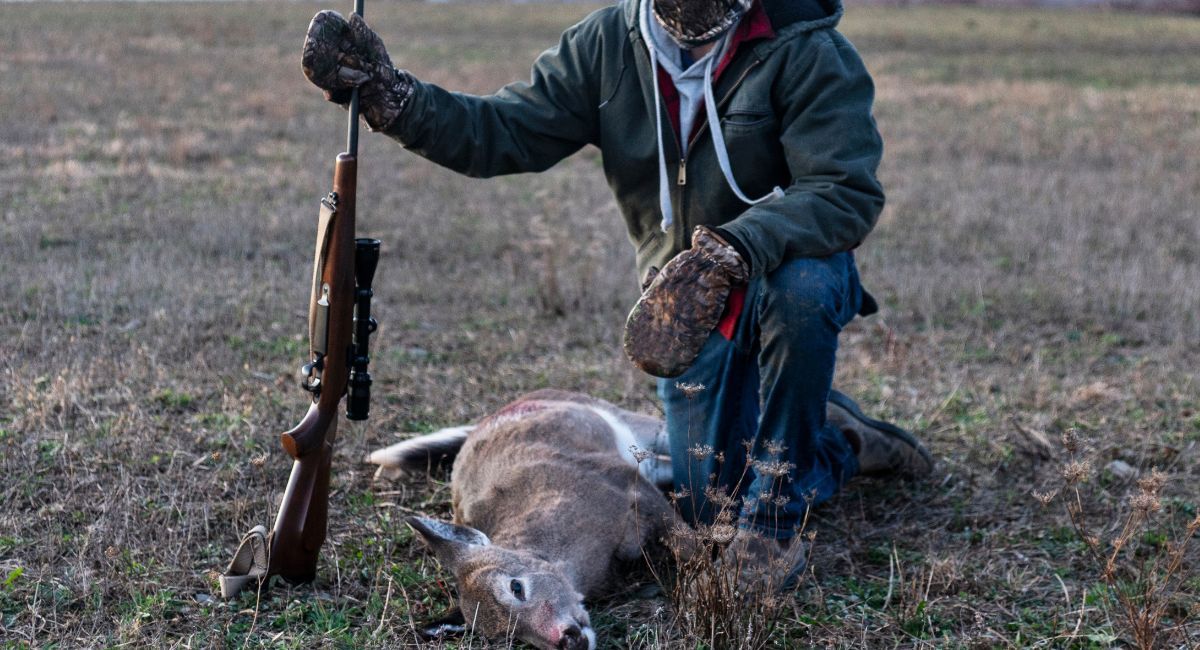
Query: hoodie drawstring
point(714, 127)
point(664, 185)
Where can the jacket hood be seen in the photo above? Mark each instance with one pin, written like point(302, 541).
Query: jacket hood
point(792, 16)
point(803, 15)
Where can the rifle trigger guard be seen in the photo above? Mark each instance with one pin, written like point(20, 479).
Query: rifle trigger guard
point(308, 381)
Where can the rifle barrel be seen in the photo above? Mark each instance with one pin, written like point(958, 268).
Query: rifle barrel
point(352, 128)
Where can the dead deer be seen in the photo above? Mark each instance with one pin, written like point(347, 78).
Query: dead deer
point(551, 494)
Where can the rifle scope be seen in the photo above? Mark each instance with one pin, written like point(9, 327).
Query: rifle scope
point(366, 258)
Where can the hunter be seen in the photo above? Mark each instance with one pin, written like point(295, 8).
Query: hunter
point(738, 139)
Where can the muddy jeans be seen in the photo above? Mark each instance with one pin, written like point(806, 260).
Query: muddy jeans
point(766, 374)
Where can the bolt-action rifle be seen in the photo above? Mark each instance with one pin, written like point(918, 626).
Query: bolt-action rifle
point(339, 326)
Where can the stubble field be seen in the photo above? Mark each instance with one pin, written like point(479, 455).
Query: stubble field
point(160, 165)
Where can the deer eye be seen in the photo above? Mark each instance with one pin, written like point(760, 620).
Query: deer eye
point(517, 589)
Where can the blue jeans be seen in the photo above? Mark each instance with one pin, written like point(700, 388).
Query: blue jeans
point(756, 431)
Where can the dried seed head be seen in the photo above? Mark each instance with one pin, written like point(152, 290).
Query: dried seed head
point(721, 533)
point(773, 468)
point(1045, 498)
point(1145, 502)
point(700, 452)
point(683, 532)
point(689, 390)
point(1076, 471)
point(775, 447)
point(724, 502)
point(639, 454)
point(1152, 483)
point(675, 496)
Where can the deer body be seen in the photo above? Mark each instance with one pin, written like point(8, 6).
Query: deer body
point(549, 500)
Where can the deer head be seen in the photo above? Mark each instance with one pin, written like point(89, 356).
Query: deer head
point(507, 593)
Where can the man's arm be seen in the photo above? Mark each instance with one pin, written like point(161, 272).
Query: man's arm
point(524, 127)
point(833, 149)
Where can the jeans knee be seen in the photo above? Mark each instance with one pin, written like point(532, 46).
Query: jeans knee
point(801, 288)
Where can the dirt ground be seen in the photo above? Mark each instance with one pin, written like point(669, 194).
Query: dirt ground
point(1038, 265)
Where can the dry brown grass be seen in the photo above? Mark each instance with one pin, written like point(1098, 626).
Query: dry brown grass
point(159, 172)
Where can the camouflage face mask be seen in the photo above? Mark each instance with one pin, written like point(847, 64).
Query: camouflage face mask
point(695, 22)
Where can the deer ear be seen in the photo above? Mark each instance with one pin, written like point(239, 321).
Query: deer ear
point(448, 541)
point(451, 624)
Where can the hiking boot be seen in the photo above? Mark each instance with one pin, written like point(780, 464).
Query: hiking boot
point(765, 565)
point(883, 448)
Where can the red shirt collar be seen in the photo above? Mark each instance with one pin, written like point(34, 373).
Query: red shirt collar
point(753, 26)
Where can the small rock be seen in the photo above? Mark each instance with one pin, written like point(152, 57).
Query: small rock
point(416, 352)
point(1121, 470)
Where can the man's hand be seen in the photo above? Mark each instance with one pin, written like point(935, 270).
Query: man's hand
point(341, 55)
point(682, 304)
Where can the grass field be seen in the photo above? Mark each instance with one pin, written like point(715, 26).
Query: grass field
point(160, 165)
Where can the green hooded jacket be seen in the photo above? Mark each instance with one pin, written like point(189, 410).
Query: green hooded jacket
point(795, 111)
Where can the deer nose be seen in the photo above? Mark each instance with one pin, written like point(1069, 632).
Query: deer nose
point(572, 639)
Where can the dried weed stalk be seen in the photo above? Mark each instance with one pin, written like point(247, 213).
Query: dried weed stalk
point(1142, 568)
point(713, 602)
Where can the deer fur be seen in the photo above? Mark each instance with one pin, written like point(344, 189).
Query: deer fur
point(549, 500)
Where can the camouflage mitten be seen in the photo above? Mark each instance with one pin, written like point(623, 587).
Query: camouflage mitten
point(340, 55)
point(682, 304)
